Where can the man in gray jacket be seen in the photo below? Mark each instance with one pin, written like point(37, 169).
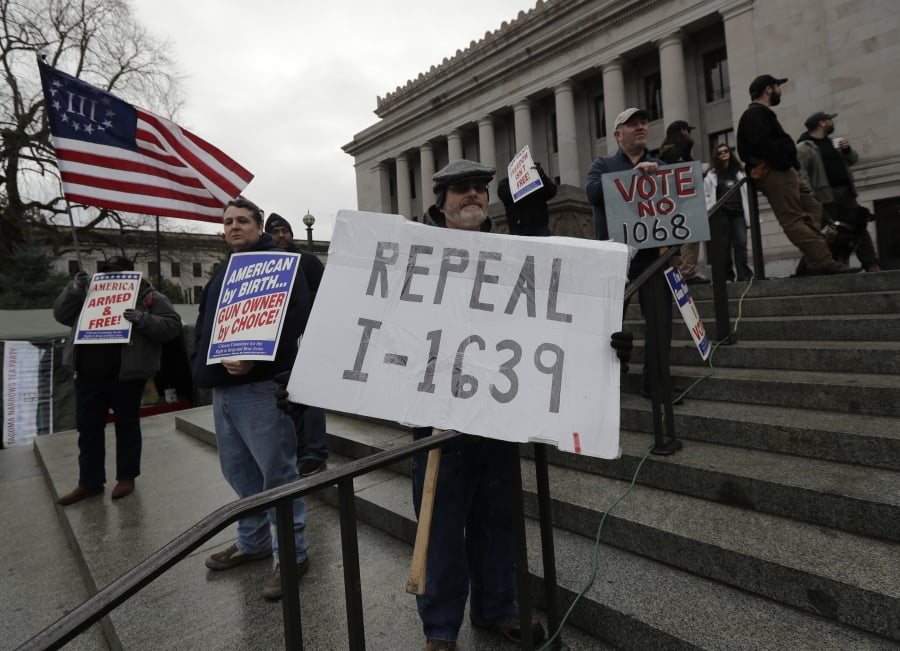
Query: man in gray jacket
point(825, 165)
point(112, 376)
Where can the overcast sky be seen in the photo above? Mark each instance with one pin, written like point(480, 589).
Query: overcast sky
point(281, 85)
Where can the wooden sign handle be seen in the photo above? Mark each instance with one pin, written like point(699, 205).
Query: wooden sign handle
point(415, 583)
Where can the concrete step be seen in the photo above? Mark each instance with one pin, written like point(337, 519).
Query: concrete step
point(851, 393)
point(191, 607)
point(649, 527)
point(831, 436)
point(880, 357)
point(888, 281)
point(41, 573)
point(863, 327)
point(755, 304)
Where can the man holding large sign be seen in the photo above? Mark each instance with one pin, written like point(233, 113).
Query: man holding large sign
point(251, 314)
point(455, 327)
point(636, 202)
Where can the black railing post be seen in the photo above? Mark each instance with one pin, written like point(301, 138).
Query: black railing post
point(523, 578)
point(759, 267)
point(356, 631)
point(659, 318)
point(717, 260)
point(287, 560)
point(548, 548)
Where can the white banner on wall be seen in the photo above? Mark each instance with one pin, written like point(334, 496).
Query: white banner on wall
point(497, 336)
point(27, 391)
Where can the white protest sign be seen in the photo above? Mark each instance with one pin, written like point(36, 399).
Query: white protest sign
point(498, 336)
point(523, 176)
point(662, 208)
point(251, 306)
point(27, 391)
point(688, 310)
point(108, 296)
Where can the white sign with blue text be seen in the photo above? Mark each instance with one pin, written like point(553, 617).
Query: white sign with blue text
point(688, 310)
point(498, 336)
point(251, 306)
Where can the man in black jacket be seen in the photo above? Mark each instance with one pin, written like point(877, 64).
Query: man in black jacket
point(771, 159)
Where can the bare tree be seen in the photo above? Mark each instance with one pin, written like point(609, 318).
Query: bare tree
point(99, 41)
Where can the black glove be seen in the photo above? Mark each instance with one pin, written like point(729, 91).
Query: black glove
point(135, 316)
point(622, 342)
point(81, 279)
point(292, 409)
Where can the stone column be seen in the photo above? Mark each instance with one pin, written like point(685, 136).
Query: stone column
point(426, 156)
point(384, 187)
point(488, 149)
point(738, 22)
point(613, 98)
point(522, 122)
point(454, 145)
point(674, 78)
point(565, 134)
point(404, 194)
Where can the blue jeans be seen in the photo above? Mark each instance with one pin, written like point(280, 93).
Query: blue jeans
point(471, 542)
point(311, 441)
point(93, 400)
point(257, 451)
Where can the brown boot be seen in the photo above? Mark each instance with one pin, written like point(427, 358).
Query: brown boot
point(79, 493)
point(123, 488)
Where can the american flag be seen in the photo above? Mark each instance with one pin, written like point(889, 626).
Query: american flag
point(115, 155)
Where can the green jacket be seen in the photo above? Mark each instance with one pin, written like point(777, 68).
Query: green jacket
point(812, 169)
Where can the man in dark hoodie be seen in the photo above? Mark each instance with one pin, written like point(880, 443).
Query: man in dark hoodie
point(257, 444)
point(112, 376)
point(312, 446)
point(771, 159)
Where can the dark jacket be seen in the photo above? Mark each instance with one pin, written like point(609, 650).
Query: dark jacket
point(593, 187)
point(760, 138)
point(213, 375)
point(312, 269)
point(140, 357)
point(529, 215)
point(813, 166)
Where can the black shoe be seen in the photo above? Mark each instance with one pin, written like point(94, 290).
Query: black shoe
point(833, 268)
point(697, 280)
point(308, 467)
point(677, 398)
point(511, 629)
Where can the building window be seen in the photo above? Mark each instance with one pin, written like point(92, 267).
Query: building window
point(198, 293)
point(176, 270)
point(554, 136)
point(198, 269)
point(73, 267)
point(715, 74)
point(599, 117)
point(153, 269)
point(653, 96)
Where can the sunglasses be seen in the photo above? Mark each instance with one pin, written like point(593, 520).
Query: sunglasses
point(719, 152)
point(462, 188)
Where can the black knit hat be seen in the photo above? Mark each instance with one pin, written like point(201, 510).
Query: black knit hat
point(115, 263)
point(275, 220)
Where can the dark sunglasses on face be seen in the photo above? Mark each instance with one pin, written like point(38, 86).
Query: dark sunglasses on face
point(462, 188)
point(723, 151)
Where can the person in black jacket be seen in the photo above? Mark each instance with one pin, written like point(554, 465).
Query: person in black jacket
point(256, 441)
point(771, 159)
point(312, 446)
point(529, 215)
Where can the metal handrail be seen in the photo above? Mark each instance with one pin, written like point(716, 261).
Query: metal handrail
point(108, 598)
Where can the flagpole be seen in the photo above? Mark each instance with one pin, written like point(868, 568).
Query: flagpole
point(158, 258)
point(74, 236)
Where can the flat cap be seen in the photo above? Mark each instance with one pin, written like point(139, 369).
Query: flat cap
point(459, 170)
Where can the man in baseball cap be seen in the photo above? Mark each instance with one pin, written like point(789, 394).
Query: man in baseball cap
point(758, 86)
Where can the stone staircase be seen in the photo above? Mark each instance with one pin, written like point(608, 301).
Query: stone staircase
point(776, 527)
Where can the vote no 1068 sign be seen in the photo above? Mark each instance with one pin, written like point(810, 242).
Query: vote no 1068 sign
point(492, 335)
point(663, 208)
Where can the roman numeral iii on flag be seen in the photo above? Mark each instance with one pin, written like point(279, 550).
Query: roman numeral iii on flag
point(115, 155)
